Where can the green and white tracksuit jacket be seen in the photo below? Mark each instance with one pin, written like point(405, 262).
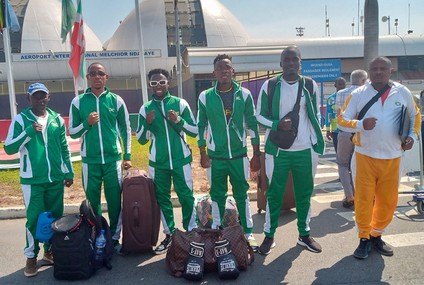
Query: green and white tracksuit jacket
point(227, 147)
point(44, 164)
point(170, 156)
point(300, 158)
point(101, 149)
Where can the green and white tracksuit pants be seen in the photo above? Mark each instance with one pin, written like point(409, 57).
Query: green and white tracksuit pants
point(182, 179)
point(111, 175)
point(38, 198)
point(238, 172)
point(301, 164)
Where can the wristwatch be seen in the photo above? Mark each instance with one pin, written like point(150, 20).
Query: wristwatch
point(257, 153)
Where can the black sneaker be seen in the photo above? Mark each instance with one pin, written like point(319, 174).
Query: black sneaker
point(381, 246)
point(164, 245)
point(266, 246)
point(363, 249)
point(348, 205)
point(309, 243)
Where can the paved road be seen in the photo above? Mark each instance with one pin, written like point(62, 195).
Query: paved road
point(332, 226)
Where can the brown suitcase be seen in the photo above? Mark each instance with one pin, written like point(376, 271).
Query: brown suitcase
point(140, 213)
point(262, 186)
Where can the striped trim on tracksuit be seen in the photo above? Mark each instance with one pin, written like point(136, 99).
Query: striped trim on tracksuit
point(227, 144)
point(101, 149)
point(170, 157)
point(300, 158)
point(44, 164)
point(376, 162)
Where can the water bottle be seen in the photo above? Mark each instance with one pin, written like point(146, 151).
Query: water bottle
point(100, 245)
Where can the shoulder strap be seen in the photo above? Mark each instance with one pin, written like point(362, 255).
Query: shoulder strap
point(309, 85)
point(372, 101)
point(270, 92)
point(168, 122)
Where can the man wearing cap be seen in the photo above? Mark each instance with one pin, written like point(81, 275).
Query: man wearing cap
point(100, 118)
point(38, 134)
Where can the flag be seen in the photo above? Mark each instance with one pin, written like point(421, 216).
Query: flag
point(10, 20)
point(1, 16)
point(76, 60)
point(68, 18)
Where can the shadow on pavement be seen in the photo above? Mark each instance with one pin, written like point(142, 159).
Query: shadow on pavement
point(321, 227)
point(350, 270)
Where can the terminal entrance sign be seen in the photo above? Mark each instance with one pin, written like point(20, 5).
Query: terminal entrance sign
point(322, 70)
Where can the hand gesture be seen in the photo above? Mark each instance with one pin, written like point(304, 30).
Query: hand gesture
point(369, 123)
point(150, 117)
point(328, 135)
point(173, 116)
point(93, 118)
point(37, 127)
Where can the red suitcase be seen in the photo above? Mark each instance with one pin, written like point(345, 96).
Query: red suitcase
point(140, 213)
point(262, 186)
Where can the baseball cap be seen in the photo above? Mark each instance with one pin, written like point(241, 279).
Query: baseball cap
point(37, 87)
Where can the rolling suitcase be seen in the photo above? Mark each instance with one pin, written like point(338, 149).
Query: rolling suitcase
point(262, 186)
point(140, 213)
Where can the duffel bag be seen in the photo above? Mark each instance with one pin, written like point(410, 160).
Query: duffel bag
point(177, 254)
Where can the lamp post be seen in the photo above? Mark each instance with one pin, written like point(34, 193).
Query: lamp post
point(396, 24)
point(386, 19)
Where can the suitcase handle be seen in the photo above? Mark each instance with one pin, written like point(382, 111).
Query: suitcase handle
point(136, 214)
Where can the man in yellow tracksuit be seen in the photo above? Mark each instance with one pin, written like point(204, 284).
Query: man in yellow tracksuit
point(378, 152)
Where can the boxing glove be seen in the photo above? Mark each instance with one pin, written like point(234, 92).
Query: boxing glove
point(195, 263)
point(227, 264)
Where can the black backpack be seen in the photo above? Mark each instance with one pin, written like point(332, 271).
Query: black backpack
point(99, 223)
point(73, 244)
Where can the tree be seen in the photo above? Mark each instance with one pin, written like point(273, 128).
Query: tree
point(370, 31)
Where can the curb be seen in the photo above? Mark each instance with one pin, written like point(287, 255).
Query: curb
point(19, 212)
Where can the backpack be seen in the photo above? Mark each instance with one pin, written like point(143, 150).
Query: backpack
point(204, 212)
point(73, 244)
point(99, 223)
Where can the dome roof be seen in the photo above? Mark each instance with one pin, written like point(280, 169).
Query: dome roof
point(221, 26)
point(42, 26)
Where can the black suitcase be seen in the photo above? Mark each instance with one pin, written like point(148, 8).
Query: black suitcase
point(72, 247)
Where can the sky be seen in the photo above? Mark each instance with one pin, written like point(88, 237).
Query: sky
point(279, 18)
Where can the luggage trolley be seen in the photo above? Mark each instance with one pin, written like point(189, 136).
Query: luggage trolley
point(418, 193)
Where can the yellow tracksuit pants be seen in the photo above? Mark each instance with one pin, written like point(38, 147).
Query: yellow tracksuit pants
point(376, 184)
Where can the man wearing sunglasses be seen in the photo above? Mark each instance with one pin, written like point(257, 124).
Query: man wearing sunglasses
point(225, 111)
point(100, 118)
point(165, 120)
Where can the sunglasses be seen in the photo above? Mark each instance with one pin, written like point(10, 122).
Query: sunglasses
point(99, 73)
point(156, 83)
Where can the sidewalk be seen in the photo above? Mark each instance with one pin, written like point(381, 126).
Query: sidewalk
point(19, 212)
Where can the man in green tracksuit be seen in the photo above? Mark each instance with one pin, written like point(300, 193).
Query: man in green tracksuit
point(100, 118)
point(39, 135)
point(224, 113)
point(300, 157)
point(164, 121)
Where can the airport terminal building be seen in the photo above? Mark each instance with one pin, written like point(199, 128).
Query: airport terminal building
point(207, 28)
